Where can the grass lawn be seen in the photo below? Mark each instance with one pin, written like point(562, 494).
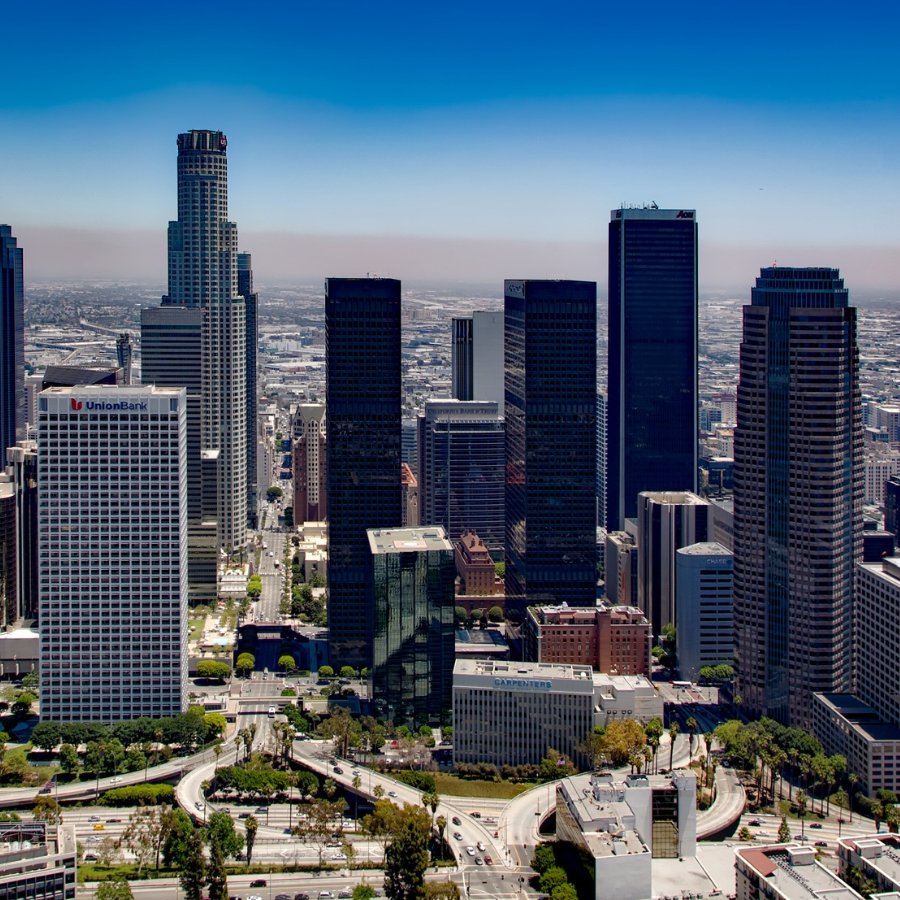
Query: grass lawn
point(460, 787)
point(196, 629)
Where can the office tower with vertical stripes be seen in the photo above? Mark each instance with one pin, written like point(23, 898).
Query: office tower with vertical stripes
point(363, 411)
point(797, 493)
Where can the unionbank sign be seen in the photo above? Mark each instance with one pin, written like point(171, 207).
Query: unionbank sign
point(528, 684)
point(101, 406)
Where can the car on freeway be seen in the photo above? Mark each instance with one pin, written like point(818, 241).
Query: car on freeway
point(392, 793)
point(99, 827)
point(456, 820)
point(116, 780)
point(488, 860)
point(262, 810)
point(244, 815)
point(470, 851)
point(475, 815)
point(93, 839)
point(815, 824)
point(339, 856)
point(253, 897)
point(345, 893)
point(480, 846)
point(282, 897)
point(113, 821)
point(325, 895)
point(199, 805)
point(338, 770)
point(821, 843)
point(479, 861)
point(755, 823)
point(258, 882)
point(45, 789)
point(457, 835)
point(94, 819)
point(301, 896)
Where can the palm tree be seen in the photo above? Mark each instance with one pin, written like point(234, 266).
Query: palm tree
point(157, 737)
point(330, 787)
point(673, 733)
point(378, 792)
point(217, 749)
point(442, 827)
point(691, 725)
point(853, 778)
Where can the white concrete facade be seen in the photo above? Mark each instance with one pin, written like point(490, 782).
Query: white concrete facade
point(112, 525)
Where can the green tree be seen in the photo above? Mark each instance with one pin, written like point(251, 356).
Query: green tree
point(500, 570)
point(46, 735)
point(251, 826)
point(784, 832)
point(441, 890)
point(744, 834)
point(246, 663)
point(564, 892)
point(215, 870)
point(273, 493)
point(221, 829)
point(461, 614)
point(209, 668)
point(68, 759)
point(363, 891)
point(215, 724)
point(192, 873)
point(495, 614)
point(175, 844)
point(46, 809)
point(114, 889)
point(286, 662)
point(143, 834)
point(406, 856)
point(673, 733)
point(349, 672)
point(544, 858)
point(326, 672)
point(31, 681)
point(553, 878)
point(22, 705)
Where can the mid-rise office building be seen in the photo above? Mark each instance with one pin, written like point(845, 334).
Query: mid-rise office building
point(39, 861)
point(508, 713)
point(412, 624)
point(12, 340)
point(461, 469)
point(9, 570)
point(653, 396)
point(620, 562)
point(667, 521)
point(475, 567)
point(23, 472)
point(409, 497)
point(624, 825)
point(611, 639)
point(77, 376)
point(874, 858)
point(125, 356)
point(786, 872)
point(309, 463)
point(704, 619)
point(880, 467)
point(112, 530)
point(363, 399)
point(602, 441)
point(551, 536)
point(409, 444)
point(461, 357)
point(797, 493)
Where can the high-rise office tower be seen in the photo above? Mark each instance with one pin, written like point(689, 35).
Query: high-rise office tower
point(113, 552)
point(203, 273)
point(251, 302)
point(309, 463)
point(477, 357)
point(12, 342)
point(551, 404)
point(461, 469)
point(411, 620)
point(363, 403)
point(652, 357)
point(797, 493)
point(9, 570)
point(667, 521)
point(602, 443)
point(23, 471)
point(125, 355)
point(461, 358)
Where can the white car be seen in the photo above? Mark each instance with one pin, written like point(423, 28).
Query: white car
point(199, 806)
point(480, 846)
point(116, 780)
point(338, 855)
point(470, 851)
point(392, 793)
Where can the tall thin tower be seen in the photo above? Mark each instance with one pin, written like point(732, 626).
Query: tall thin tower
point(12, 343)
point(203, 273)
point(652, 403)
point(251, 301)
point(797, 493)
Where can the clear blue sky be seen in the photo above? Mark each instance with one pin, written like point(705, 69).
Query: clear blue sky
point(493, 120)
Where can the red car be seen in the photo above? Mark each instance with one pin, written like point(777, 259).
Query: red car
point(488, 861)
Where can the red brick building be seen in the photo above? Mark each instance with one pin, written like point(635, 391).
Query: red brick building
point(611, 639)
point(475, 567)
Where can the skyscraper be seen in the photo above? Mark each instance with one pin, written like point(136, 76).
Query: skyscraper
point(652, 357)
point(363, 403)
point(797, 493)
point(12, 342)
point(203, 273)
point(477, 357)
point(113, 540)
point(461, 358)
point(461, 469)
point(251, 302)
point(551, 404)
point(309, 464)
point(411, 620)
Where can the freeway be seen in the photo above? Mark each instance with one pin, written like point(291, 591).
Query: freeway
point(726, 808)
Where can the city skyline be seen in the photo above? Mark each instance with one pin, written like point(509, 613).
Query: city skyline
point(344, 162)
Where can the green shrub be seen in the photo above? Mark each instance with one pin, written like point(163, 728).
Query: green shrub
point(139, 794)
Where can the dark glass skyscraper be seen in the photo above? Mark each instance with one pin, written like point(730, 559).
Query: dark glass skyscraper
point(797, 493)
point(251, 302)
point(652, 386)
point(551, 405)
point(12, 342)
point(411, 620)
point(363, 403)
